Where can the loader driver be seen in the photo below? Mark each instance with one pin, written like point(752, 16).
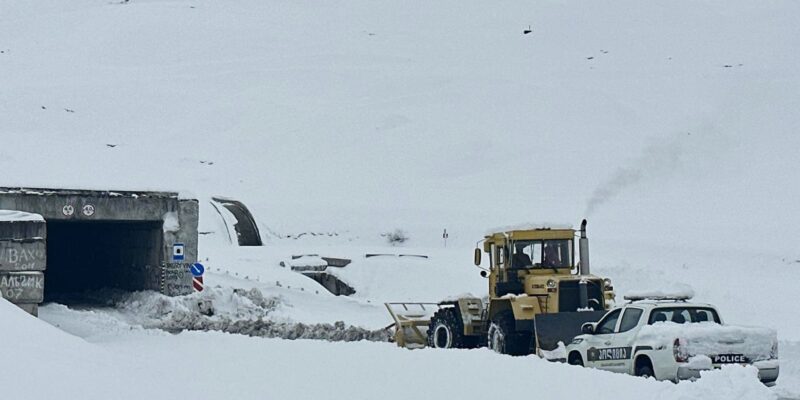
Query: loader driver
point(521, 260)
point(551, 258)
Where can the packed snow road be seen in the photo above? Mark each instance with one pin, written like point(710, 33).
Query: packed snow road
point(219, 365)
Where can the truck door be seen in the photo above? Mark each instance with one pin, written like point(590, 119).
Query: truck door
point(601, 340)
point(623, 344)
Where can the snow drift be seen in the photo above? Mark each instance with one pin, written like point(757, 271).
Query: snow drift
point(708, 338)
point(19, 216)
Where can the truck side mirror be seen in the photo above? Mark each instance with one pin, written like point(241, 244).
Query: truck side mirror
point(588, 328)
point(478, 257)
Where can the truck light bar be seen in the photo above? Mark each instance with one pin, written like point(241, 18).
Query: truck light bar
point(679, 297)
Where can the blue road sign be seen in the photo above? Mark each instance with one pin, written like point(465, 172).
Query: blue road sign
point(177, 252)
point(197, 269)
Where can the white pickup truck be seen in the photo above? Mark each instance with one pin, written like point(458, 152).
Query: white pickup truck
point(672, 339)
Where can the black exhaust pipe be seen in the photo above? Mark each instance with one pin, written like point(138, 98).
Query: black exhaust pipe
point(583, 268)
point(584, 249)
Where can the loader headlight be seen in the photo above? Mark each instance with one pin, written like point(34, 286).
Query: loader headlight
point(551, 284)
point(607, 284)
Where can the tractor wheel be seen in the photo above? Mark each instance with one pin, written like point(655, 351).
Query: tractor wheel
point(504, 339)
point(446, 331)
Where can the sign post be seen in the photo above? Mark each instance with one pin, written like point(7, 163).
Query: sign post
point(445, 235)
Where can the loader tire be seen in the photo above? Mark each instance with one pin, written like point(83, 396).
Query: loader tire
point(446, 331)
point(504, 339)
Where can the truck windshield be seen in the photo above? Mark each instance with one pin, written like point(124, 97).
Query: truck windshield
point(556, 253)
point(683, 315)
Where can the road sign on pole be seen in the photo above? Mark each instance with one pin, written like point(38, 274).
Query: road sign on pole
point(197, 269)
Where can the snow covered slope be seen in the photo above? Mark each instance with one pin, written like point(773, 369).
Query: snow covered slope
point(671, 125)
point(41, 361)
point(665, 119)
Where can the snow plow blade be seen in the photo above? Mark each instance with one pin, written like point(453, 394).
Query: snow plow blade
point(561, 327)
point(411, 323)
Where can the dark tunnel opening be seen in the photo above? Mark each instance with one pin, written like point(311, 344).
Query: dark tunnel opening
point(84, 257)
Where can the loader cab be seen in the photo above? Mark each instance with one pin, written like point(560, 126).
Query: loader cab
point(516, 254)
point(542, 254)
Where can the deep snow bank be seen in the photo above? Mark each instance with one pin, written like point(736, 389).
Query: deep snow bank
point(709, 338)
point(246, 312)
point(39, 361)
point(213, 365)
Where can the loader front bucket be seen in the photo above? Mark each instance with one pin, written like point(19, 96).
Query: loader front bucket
point(561, 327)
point(411, 323)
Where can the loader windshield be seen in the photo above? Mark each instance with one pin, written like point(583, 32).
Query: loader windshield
point(555, 253)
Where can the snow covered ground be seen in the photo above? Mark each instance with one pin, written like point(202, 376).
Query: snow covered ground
point(671, 125)
point(115, 360)
point(250, 367)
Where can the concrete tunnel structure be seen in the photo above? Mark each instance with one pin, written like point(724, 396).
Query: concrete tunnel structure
point(89, 240)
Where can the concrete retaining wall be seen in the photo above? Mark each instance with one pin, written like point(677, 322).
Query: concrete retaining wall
point(331, 282)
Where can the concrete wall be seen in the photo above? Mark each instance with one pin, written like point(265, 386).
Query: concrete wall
point(28, 254)
point(22, 260)
point(331, 282)
point(143, 271)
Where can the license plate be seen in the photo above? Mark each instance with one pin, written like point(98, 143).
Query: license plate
point(729, 359)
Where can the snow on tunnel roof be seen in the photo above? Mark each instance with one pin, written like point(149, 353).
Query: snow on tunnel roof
point(19, 216)
point(87, 191)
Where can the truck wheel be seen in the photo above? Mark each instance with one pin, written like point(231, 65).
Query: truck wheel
point(644, 368)
point(504, 339)
point(575, 359)
point(445, 330)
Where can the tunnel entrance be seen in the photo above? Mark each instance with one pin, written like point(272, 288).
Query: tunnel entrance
point(83, 241)
point(84, 257)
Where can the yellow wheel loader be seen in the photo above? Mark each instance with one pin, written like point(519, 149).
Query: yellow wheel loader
point(538, 296)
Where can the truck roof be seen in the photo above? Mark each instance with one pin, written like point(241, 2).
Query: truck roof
point(533, 234)
point(652, 303)
point(530, 226)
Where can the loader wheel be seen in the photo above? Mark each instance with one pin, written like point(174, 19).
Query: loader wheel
point(446, 331)
point(504, 339)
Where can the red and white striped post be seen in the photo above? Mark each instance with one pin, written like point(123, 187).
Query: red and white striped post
point(197, 283)
point(197, 271)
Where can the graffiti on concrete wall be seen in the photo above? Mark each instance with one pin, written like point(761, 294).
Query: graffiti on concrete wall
point(18, 255)
point(22, 287)
point(176, 279)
